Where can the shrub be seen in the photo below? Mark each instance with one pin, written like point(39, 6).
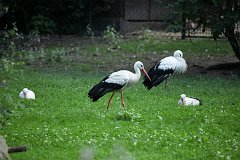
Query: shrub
point(113, 37)
point(42, 24)
point(10, 40)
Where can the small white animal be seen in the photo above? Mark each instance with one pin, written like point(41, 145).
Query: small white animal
point(189, 101)
point(26, 93)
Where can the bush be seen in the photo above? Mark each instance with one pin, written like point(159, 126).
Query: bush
point(6, 102)
point(113, 37)
point(6, 105)
point(42, 24)
point(6, 71)
point(10, 40)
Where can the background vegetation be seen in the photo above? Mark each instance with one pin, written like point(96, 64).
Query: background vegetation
point(221, 16)
point(51, 16)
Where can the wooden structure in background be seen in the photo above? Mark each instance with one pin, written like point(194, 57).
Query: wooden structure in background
point(140, 14)
point(131, 15)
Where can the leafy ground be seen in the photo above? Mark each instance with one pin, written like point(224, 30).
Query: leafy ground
point(62, 123)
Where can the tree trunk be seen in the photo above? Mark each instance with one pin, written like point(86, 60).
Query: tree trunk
point(183, 30)
point(233, 41)
point(235, 47)
point(228, 7)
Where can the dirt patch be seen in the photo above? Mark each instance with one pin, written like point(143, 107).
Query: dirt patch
point(225, 66)
point(215, 66)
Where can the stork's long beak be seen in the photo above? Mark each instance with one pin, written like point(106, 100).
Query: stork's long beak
point(144, 71)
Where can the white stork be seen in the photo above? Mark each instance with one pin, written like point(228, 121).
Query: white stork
point(117, 81)
point(189, 101)
point(26, 93)
point(164, 68)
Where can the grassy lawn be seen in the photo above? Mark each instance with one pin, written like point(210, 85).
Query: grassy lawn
point(62, 123)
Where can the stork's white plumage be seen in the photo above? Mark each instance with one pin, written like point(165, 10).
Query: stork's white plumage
point(117, 81)
point(26, 93)
point(164, 68)
point(189, 101)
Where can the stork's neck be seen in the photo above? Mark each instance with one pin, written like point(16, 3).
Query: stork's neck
point(180, 59)
point(183, 100)
point(137, 72)
point(25, 94)
point(182, 67)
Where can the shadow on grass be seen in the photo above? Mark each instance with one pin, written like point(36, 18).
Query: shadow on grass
point(124, 117)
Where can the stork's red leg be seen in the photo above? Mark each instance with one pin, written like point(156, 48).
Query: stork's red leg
point(166, 84)
point(123, 101)
point(109, 102)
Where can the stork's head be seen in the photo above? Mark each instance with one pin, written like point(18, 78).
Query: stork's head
point(178, 53)
point(183, 96)
point(25, 90)
point(140, 66)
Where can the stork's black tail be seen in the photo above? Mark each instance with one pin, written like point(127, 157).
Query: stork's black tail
point(157, 76)
point(101, 89)
point(200, 100)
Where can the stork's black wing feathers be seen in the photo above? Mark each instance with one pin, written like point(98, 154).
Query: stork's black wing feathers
point(200, 100)
point(102, 88)
point(157, 76)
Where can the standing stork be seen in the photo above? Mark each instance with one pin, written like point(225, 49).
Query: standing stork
point(164, 68)
point(117, 81)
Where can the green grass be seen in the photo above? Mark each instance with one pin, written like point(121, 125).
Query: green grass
point(94, 56)
point(62, 123)
point(149, 45)
point(195, 46)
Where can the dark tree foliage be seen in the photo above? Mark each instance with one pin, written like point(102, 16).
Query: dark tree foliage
point(222, 16)
point(226, 20)
point(51, 16)
point(45, 16)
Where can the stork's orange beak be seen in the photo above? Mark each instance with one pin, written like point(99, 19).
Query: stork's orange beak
point(144, 71)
